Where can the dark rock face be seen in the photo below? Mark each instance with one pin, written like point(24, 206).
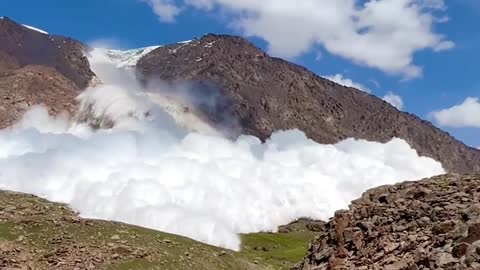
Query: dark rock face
point(429, 224)
point(36, 68)
point(20, 46)
point(268, 94)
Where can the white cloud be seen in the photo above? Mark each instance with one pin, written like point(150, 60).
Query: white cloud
point(166, 10)
point(340, 79)
point(466, 114)
point(443, 46)
point(434, 4)
point(393, 99)
point(375, 82)
point(382, 34)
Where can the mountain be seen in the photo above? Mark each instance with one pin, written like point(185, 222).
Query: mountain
point(260, 93)
point(428, 224)
point(267, 94)
point(38, 68)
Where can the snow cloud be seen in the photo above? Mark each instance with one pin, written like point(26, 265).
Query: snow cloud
point(340, 79)
point(148, 170)
point(466, 114)
point(393, 99)
point(381, 34)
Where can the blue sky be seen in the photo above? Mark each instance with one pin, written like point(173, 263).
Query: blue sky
point(449, 74)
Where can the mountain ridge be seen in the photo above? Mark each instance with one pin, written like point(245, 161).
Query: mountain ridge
point(266, 94)
point(38, 68)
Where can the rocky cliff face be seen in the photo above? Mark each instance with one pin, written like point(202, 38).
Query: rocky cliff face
point(37, 68)
point(267, 94)
point(430, 224)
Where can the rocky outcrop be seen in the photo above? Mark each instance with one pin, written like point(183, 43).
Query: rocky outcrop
point(21, 46)
point(267, 94)
point(30, 85)
point(37, 68)
point(429, 224)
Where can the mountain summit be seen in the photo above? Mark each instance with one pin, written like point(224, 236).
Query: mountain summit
point(38, 68)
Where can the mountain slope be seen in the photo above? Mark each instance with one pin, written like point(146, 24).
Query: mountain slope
point(21, 46)
point(267, 94)
point(38, 68)
point(428, 224)
point(38, 234)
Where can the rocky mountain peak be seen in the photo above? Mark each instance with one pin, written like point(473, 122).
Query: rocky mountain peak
point(21, 46)
point(38, 68)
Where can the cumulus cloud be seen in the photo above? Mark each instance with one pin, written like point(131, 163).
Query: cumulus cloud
point(149, 171)
point(382, 34)
point(340, 79)
point(166, 10)
point(435, 4)
point(393, 99)
point(466, 114)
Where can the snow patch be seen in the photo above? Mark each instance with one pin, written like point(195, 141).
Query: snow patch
point(128, 58)
point(35, 29)
point(185, 43)
point(209, 44)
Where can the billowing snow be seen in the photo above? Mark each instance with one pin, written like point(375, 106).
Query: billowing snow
point(128, 58)
point(35, 29)
point(150, 171)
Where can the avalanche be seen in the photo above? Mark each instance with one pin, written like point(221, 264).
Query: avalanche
point(156, 169)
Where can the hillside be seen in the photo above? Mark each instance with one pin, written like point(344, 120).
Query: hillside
point(39, 68)
point(41, 235)
point(428, 224)
point(266, 94)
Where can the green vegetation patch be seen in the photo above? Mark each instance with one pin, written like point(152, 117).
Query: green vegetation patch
point(7, 231)
point(280, 250)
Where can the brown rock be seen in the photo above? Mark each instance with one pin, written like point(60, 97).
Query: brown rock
point(63, 54)
point(435, 237)
point(45, 69)
point(460, 250)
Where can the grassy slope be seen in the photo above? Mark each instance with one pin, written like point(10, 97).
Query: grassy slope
point(48, 235)
point(279, 250)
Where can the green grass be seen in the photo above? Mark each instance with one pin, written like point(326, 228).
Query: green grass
point(259, 250)
point(138, 264)
point(6, 231)
point(280, 250)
